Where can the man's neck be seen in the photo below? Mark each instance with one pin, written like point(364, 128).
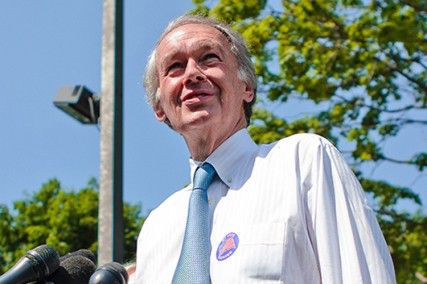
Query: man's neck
point(203, 145)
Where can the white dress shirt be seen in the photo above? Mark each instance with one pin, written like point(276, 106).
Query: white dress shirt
point(286, 212)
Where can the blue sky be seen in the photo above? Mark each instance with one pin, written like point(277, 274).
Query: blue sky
point(48, 44)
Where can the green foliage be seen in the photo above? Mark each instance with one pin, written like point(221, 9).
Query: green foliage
point(367, 60)
point(66, 220)
point(363, 65)
point(266, 127)
point(404, 232)
point(406, 237)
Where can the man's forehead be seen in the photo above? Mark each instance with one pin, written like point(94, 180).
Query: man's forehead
point(191, 37)
point(186, 28)
point(206, 35)
point(192, 46)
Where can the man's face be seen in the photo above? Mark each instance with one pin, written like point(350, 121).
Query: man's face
point(199, 87)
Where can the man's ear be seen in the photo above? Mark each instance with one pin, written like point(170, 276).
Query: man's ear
point(160, 114)
point(248, 94)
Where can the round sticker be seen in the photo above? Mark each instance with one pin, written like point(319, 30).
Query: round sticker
point(227, 246)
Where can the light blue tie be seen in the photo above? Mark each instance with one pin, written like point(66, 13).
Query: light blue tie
point(193, 264)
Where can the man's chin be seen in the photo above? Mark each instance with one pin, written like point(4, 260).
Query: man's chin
point(198, 121)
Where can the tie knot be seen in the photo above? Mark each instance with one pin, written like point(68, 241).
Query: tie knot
point(203, 176)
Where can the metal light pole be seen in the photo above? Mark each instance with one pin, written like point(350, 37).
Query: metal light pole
point(110, 227)
point(80, 103)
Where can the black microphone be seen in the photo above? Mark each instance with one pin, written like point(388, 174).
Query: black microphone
point(83, 252)
point(110, 273)
point(74, 269)
point(35, 265)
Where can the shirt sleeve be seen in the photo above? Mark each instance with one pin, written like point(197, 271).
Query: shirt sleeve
point(344, 231)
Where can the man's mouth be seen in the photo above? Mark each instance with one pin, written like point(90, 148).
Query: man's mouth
point(194, 97)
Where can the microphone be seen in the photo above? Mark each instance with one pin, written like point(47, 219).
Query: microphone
point(74, 269)
point(110, 273)
point(35, 265)
point(83, 252)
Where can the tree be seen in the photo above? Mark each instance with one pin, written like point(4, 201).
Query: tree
point(66, 220)
point(361, 68)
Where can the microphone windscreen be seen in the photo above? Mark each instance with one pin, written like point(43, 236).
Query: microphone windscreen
point(83, 252)
point(75, 269)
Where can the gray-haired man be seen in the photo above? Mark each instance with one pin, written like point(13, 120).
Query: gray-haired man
point(290, 212)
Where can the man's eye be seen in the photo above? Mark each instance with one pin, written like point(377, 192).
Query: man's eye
point(211, 57)
point(173, 67)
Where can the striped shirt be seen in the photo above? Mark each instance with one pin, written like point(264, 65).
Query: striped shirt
point(287, 212)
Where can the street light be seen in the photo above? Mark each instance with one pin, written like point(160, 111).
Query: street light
point(79, 102)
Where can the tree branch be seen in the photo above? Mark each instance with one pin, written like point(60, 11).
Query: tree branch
point(419, 8)
point(401, 72)
point(409, 121)
point(397, 110)
point(418, 60)
point(392, 160)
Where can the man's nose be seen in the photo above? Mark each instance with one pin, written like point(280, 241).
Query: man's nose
point(193, 73)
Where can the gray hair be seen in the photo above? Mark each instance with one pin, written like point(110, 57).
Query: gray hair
point(246, 70)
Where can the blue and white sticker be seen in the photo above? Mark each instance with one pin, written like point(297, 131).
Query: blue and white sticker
point(227, 246)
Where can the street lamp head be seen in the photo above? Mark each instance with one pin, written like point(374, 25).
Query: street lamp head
point(78, 102)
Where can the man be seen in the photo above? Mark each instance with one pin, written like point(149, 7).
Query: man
point(288, 212)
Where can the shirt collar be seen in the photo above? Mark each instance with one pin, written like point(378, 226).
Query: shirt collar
point(232, 159)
